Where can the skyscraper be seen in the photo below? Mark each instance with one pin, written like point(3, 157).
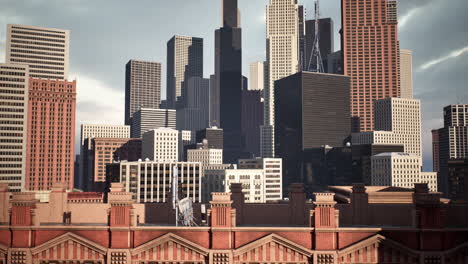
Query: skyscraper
point(326, 38)
point(161, 145)
point(397, 121)
point(228, 71)
point(452, 144)
point(252, 120)
point(184, 60)
point(14, 93)
point(406, 73)
point(312, 111)
point(51, 134)
point(142, 87)
point(45, 50)
point(285, 56)
point(214, 101)
point(195, 115)
point(257, 76)
point(146, 119)
point(371, 56)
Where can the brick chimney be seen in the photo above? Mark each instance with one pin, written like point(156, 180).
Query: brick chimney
point(238, 199)
point(326, 216)
point(428, 208)
point(360, 205)
point(121, 216)
point(297, 205)
point(223, 218)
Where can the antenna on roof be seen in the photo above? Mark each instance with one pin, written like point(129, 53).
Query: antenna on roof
point(315, 61)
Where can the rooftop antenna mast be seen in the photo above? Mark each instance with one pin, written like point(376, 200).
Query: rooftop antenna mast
point(315, 61)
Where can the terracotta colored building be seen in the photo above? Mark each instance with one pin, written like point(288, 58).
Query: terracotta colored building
point(106, 150)
point(51, 134)
point(353, 225)
point(371, 56)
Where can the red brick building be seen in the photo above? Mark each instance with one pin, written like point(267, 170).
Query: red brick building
point(353, 225)
point(51, 134)
point(371, 56)
point(106, 150)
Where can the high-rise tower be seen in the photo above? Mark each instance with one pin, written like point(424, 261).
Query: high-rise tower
point(371, 57)
point(142, 87)
point(285, 56)
point(184, 60)
point(45, 50)
point(228, 77)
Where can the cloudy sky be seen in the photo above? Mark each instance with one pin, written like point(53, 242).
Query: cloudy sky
point(105, 34)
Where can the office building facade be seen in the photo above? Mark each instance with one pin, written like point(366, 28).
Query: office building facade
point(142, 87)
point(285, 41)
point(146, 119)
point(45, 50)
point(406, 73)
point(312, 111)
point(151, 181)
point(458, 179)
point(195, 115)
point(14, 93)
point(451, 142)
point(184, 60)
point(107, 150)
point(89, 131)
point(371, 56)
point(51, 134)
point(252, 120)
point(205, 156)
point(273, 173)
point(397, 121)
point(257, 76)
point(229, 79)
point(186, 138)
point(400, 170)
point(214, 136)
point(161, 144)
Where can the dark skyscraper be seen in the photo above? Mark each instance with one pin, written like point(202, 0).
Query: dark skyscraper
point(312, 111)
point(184, 60)
point(228, 71)
point(142, 87)
point(252, 119)
point(326, 39)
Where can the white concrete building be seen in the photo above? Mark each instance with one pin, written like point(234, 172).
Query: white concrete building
point(285, 42)
point(151, 181)
point(400, 170)
point(205, 156)
point(45, 50)
point(14, 89)
point(261, 180)
point(253, 183)
point(406, 73)
point(257, 76)
point(104, 131)
point(273, 172)
point(161, 144)
point(397, 121)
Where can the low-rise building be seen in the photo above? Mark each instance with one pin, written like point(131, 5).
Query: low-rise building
point(151, 181)
point(400, 170)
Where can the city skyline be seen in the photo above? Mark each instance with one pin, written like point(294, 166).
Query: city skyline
point(99, 68)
